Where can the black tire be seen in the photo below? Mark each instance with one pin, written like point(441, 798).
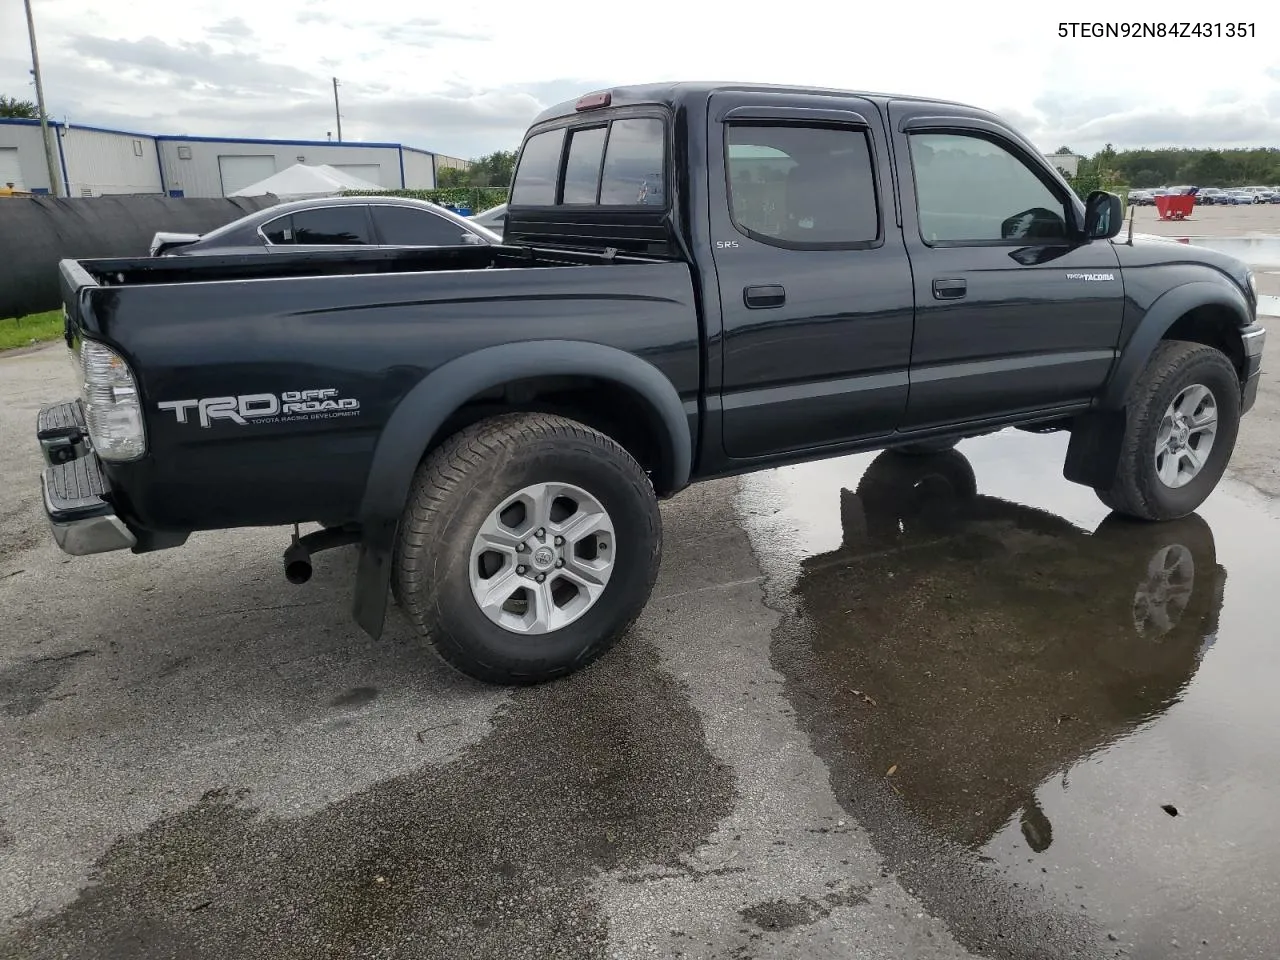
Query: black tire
point(926, 448)
point(456, 488)
point(1138, 490)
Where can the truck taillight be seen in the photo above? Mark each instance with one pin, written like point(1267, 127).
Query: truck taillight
point(112, 408)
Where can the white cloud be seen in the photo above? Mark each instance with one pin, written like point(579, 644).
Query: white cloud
point(467, 82)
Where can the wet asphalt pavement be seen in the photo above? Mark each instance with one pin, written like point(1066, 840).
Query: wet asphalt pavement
point(1058, 727)
point(878, 707)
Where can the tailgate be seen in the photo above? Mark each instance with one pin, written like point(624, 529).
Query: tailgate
point(75, 283)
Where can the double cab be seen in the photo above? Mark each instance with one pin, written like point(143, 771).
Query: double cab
point(694, 281)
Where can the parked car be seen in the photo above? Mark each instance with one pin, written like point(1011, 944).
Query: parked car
point(349, 223)
point(1210, 195)
point(696, 280)
point(1237, 197)
point(1148, 197)
point(495, 218)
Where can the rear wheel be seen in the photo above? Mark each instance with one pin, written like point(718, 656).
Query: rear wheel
point(1183, 414)
point(529, 545)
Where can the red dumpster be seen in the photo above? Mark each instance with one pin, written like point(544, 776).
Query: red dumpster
point(1175, 208)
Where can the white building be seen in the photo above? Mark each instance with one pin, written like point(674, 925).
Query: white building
point(93, 161)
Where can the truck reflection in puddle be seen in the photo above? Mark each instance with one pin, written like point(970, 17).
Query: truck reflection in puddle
point(968, 648)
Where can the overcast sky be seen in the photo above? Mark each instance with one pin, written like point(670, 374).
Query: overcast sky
point(443, 78)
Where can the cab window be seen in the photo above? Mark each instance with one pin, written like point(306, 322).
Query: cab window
point(538, 170)
point(582, 168)
point(793, 184)
point(970, 189)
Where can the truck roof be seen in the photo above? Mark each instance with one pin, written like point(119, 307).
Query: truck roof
point(675, 93)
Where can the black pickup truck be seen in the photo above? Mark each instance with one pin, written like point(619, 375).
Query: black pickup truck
point(696, 280)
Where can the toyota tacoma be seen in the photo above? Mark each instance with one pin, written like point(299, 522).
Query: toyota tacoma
point(695, 281)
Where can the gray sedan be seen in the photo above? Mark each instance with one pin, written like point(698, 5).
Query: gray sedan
point(495, 219)
point(329, 222)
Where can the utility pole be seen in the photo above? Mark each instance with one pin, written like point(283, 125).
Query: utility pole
point(44, 117)
point(336, 111)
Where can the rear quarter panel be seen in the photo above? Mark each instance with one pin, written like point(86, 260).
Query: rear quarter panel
point(368, 339)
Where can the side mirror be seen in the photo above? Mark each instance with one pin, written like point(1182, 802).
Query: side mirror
point(1103, 215)
point(474, 239)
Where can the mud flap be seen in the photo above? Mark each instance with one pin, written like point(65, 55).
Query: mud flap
point(1093, 454)
point(373, 577)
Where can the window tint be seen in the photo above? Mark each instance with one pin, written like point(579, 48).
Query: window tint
point(535, 180)
point(332, 225)
point(279, 230)
point(582, 169)
point(971, 189)
point(634, 164)
point(802, 184)
point(404, 226)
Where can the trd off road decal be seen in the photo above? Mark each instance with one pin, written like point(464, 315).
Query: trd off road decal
point(287, 407)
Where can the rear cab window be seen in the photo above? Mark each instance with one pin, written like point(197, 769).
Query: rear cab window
point(595, 162)
point(539, 170)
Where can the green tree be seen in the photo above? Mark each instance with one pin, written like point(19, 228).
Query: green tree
point(494, 170)
point(1210, 167)
point(451, 177)
point(12, 107)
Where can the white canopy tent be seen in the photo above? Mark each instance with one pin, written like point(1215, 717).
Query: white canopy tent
point(303, 182)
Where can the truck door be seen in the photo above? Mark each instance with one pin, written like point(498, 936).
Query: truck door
point(815, 285)
point(1012, 313)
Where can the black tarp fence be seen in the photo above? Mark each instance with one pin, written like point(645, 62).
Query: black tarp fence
point(37, 232)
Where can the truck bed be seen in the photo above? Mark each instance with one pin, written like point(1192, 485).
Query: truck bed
point(137, 271)
point(367, 326)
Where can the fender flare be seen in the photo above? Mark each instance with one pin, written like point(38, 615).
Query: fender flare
point(1098, 435)
point(426, 407)
point(1162, 315)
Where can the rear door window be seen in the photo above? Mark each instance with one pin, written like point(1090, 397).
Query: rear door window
point(539, 169)
point(799, 185)
point(409, 227)
point(279, 231)
point(338, 226)
point(634, 164)
point(582, 171)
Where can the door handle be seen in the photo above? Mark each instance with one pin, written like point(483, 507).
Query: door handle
point(949, 289)
point(768, 295)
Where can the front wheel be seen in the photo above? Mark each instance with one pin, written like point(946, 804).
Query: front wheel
point(1182, 419)
point(529, 545)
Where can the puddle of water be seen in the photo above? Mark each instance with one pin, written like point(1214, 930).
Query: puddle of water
point(1044, 680)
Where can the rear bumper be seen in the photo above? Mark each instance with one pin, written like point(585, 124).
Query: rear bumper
point(75, 491)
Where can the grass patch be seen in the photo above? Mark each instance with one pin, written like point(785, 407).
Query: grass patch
point(21, 331)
